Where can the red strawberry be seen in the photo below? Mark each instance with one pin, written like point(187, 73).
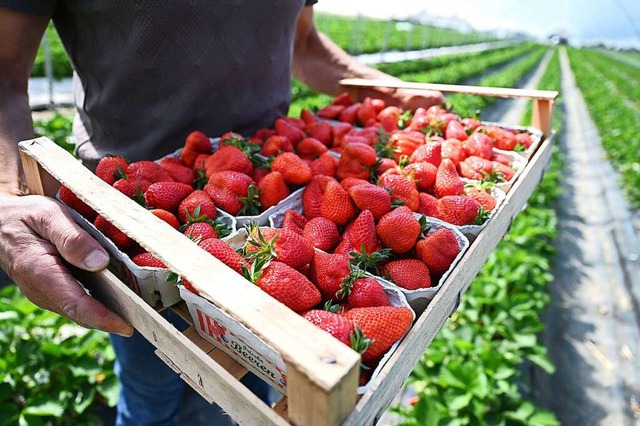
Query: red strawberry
point(385, 164)
point(327, 272)
point(110, 169)
point(275, 145)
point(506, 171)
point(349, 114)
point(148, 260)
point(361, 233)
point(286, 285)
point(399, 230)
point(423, 174)
point(366, 112)
point(410, 274)
point(357, 160)
point(166, 195)
point(273, 189)
point(201, 230)
point(501, 158)
point(345, 247)
point(339, 131)
point(430, 152)
point(453, 149)
point(197, 200)
point(455, 130)
point(372, 198)
point(460, 210)
point(284, 245)
point(285, 128)
point(71, 200)
point(428, 205)
point(438, 250)
point(310, 148)
point(475, 167)
point(307, 116)
point(402, 189)
point(233, 192)
point(131, 188)
point(178, 173)
point(293, 169)
point(261, 135)
point(480, 192)
point(325, 164)
point(200, 161)
point(166, 216)
point(479, 145)
point(322, 132)
point(350, 182)
point(524, 140)
point(224, 253)
point(334, 324)
point(384, 325)
point(312, 195)
point(110, 231)
point(147, 171)
point(321, 233)
point(342, 99)
point(363, 292)
point(404, 143)
point(336, 204)
point(294, 221)
point(198, 142)
point(331, 111)
point(229, 158)
point(448, 181)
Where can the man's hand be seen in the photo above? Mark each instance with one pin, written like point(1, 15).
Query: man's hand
point(36, 234)
point(412, 99)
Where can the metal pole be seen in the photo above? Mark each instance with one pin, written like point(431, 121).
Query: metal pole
point(48, 65)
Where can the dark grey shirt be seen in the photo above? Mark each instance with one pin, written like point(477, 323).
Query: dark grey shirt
point(150, 72)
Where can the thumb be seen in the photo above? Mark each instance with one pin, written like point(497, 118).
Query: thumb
point(54, 223)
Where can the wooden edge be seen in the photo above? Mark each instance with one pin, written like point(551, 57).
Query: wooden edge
point(393, 375)
point(281, 408)
point(542, 115)
point(349, 84)
point(318, 362)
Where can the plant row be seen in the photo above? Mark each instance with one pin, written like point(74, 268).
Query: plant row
point(470, 373)
point(617, 122)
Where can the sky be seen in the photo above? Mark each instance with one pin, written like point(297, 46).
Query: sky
point(616, 22)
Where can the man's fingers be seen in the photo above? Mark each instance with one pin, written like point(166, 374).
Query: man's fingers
point(76, 246)
point(52, 287)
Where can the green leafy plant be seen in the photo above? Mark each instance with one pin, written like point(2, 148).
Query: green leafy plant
point(51, 371)
point(56, 128)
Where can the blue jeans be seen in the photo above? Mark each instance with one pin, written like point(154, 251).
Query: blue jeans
point(152, 394)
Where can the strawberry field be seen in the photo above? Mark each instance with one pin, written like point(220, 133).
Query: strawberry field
point(355, 234)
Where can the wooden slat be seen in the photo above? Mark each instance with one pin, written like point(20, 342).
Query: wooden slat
point(542, 115)
point(281, 408)
point(498, 92)
point(318, 361)
point(427, 326)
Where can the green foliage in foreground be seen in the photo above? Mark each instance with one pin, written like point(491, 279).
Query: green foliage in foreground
point(615, 115)
point(59, 59)
point(51, 371)
point(56, 128)
point(469, 374)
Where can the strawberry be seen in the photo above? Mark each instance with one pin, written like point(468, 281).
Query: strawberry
point(327, 272)
point(345, 247)
point(284, 284)
point(261, 135)
point(453, 149)
point(523, 140)
point(310, 148)
point(384, 325)
point(410, 274)
point(501, 158)
point(178, 173)
point(273, 189)
point(438, 250)
point(322, 131)
point(506, 171)
point(312, 195)
point(363, 292)
point(147, 171)
point(166, 216)
point(321, 233)
point(119, 238)
point(460, 210)
point(71, 200)
point(331, 111)
point(197, 200)
point(455, 130)
point(372, 198)
point(110, 169)
point(339, 131)
point(378, 104)
point(366, 112)
point(284, 245)
point(325, 164)
point(389, 117)
point(334, 324)
point(200, 161)
point(132, 189)
point(430, 152)
point(166, 195)
point(224, 253)
point(148, 260)
point(479, 145)
point(307, 116)
point(402, 189)
point(404, 143)
point(399, 230)
point(350, 182)
point(357, 160)
point(349, 114)
point(293, 133)
point(361, 233)
point(385, 164)
point(342, 99)
point(428, 205)
point(275, 145)
point(294, 221)
point(233, 192)
point(229, 158)
point(448, 181)
point(230, 139)
point(201, 231)
point(198, 142)
point(293, 169)
point(336, 205)
point(481, 192)
point(422, 173)
point(502, 139)
point(475, 167)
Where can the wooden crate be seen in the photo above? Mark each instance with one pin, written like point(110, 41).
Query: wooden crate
point(322, 372)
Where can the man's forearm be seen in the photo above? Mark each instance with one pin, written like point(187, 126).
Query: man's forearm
point(15, 125)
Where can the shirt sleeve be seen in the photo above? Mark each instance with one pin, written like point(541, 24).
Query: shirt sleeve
point(31, 7)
